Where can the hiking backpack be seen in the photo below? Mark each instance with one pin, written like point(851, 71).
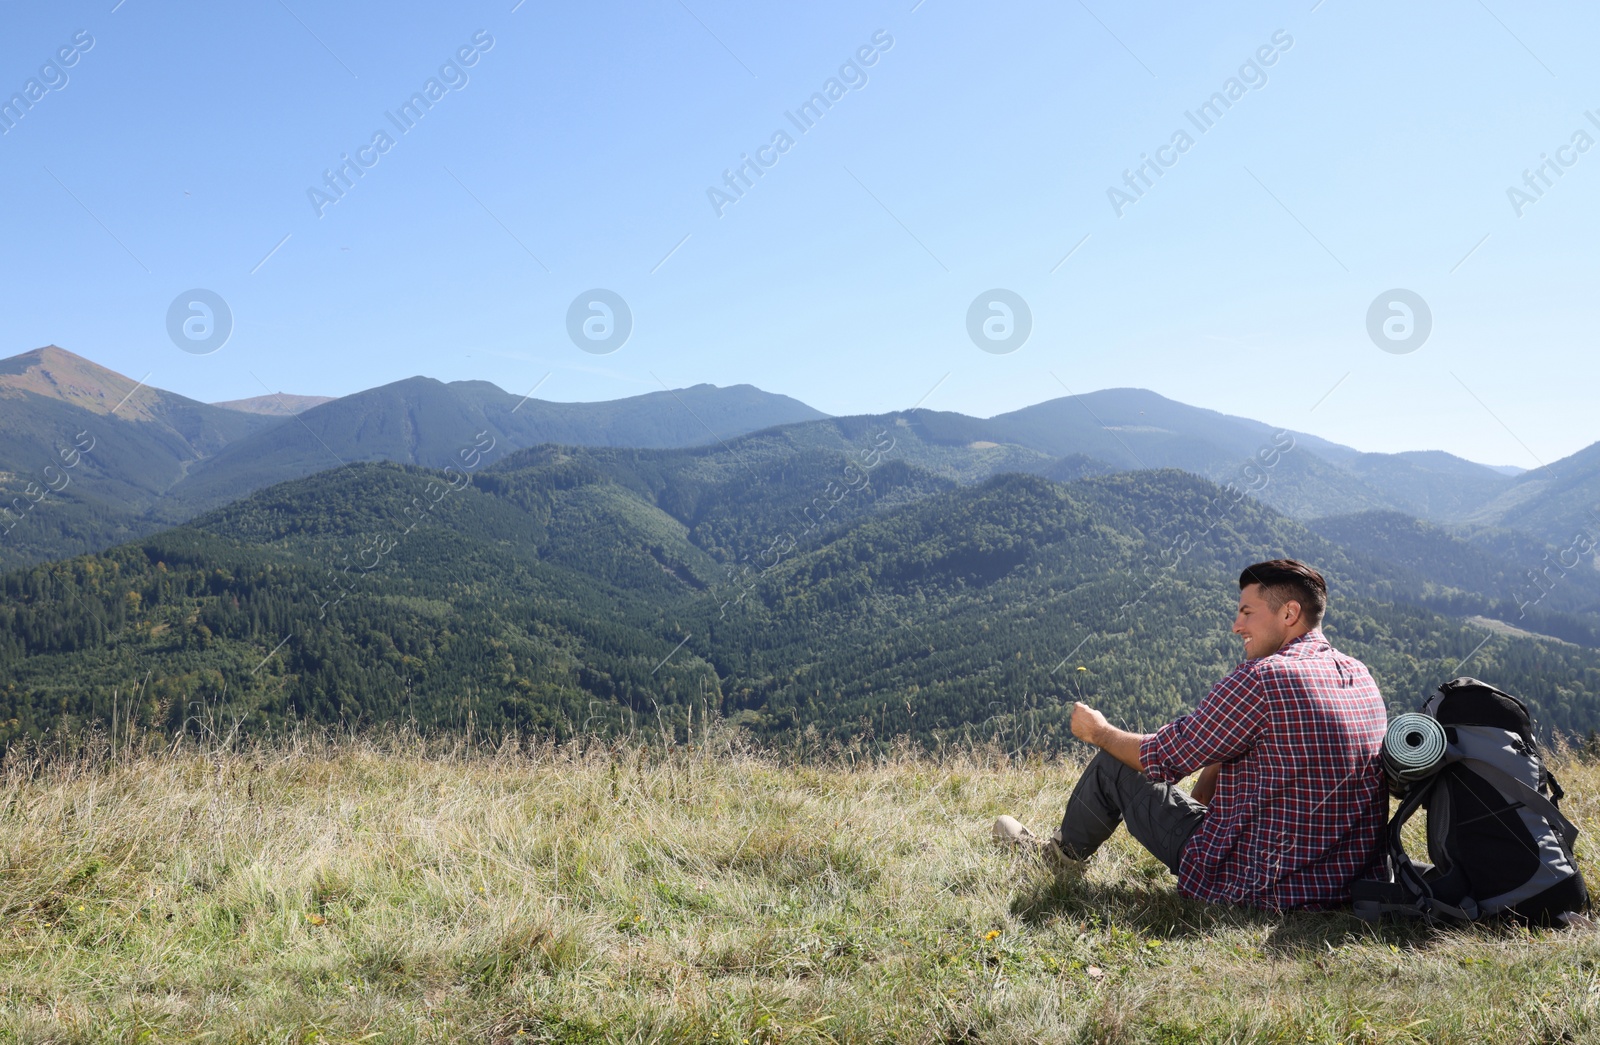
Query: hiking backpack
point(1497, 842)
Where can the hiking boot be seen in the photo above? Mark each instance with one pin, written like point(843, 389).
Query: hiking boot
point(1057, 860)
point(1009, 832)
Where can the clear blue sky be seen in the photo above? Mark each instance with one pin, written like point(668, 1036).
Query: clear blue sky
point(579, 150)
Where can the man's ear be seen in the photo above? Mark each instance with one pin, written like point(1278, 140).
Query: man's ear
point(1292, 614)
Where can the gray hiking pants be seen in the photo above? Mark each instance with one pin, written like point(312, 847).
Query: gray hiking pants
point(1159, 816)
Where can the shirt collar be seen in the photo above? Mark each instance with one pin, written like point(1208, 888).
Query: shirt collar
point(1311, 641)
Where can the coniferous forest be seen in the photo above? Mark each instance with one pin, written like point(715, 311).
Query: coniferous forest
point(807, 590)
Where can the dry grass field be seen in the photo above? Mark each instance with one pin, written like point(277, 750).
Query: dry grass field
point(379, 891)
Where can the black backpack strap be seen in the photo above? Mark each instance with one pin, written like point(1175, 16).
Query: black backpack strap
point(1399, 862)
point(1529, 797)
point(1435, 910)
point(1409, 893)
point(1371, 900)
point(1556, 794)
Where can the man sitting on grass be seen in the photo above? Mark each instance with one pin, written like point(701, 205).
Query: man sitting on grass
point(1290, 805)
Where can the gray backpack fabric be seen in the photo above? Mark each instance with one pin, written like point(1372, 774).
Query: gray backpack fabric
point(1498, 843)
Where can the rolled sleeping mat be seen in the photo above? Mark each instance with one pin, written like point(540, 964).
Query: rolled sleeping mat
point(1413, 747)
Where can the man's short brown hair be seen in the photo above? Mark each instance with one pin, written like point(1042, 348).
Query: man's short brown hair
point(1285, 579)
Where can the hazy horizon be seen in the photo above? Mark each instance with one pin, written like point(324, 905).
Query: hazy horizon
point(747, 384)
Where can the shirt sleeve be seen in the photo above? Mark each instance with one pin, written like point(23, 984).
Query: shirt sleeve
point(1223, 727)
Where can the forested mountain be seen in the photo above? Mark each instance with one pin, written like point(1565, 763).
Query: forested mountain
point(1429, 484)
point(164, 458)
point(427, 422)
point(85, 452)
point(1500, 574)
point(1135, 429)
point(89, 457)
point(1558, 504)
point(791, 585)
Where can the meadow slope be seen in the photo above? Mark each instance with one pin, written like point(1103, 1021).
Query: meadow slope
point(381, 891)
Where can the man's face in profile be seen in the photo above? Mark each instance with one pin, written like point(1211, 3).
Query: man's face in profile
point(1263, 628)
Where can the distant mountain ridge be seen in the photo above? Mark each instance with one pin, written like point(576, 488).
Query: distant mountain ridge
point(175, 457)
point(141, 441)
point(160, 458)
point(427, 422)
point(278, 404)
point(1559, 502)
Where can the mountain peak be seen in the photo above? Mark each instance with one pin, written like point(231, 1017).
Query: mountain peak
point(55, 373)
point(278, 404)
point(49, 355)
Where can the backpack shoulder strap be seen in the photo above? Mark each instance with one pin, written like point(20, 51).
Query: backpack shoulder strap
point(1412, 802)
point(1529, 797)
point(1408, 893)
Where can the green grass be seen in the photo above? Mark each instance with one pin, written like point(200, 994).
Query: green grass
point(366, 891)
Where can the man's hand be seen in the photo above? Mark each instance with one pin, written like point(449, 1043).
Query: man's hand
point(1088, 725)
point(1206, 786)
point(1091, 727)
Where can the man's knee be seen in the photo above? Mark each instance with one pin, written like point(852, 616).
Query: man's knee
point(1107, 780)
point(1111, 769)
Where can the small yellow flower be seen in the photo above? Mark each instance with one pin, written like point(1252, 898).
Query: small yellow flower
point(316, 919)
point(992, 934)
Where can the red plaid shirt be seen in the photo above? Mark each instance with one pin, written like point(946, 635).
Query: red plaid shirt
point(1301, 802)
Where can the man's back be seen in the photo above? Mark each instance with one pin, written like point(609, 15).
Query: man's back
point(1300, 803)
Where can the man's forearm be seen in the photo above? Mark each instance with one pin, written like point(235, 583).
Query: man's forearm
point(1120, 745)
point(1091, 727)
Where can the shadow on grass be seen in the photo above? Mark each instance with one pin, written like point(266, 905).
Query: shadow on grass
point(1156, 911)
